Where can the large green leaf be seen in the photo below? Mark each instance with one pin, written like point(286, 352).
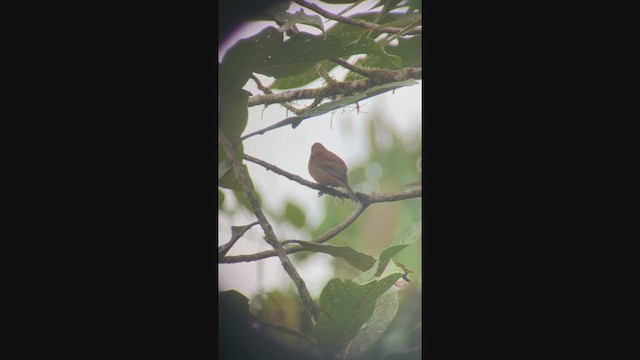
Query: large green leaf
point(358, 260)
point(295, 215)
point(350, 33)
point(229, 181)
point(414, 4)
point(296, 81)
point(406, 237)
point(233, 116)
point(376, 57)
point(376, 61)
point(372, 330)
point(303, 51)
point(345, 307)
point(240, 60)
point(409, 49)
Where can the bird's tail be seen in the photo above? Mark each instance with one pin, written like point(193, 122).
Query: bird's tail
point(352, 195)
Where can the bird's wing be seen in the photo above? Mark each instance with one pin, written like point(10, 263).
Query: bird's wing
point(329, 166)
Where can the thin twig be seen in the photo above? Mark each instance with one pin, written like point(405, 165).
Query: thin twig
point(297, 248)
point(355, 22)
point(270, 236)
point(285, 122)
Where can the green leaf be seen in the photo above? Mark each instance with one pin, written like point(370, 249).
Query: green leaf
point(350, 33)
point(358, 260)
point(345, 307)
point(277, 308)
point(376, 61)
point(409, 49)
point(303, 51)
point(242, 199)
point(296, 81)
point(414, 4)
point(240, 60)
point(223, 168)
point(295, 215)
point(407, 236)
point(233, 114)
point(228, 179)
point(376, 90)
point(384, 313)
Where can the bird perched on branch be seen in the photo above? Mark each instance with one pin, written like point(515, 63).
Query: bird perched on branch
point(328, 169)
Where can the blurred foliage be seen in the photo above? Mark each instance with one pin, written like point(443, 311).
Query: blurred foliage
point(295, 215)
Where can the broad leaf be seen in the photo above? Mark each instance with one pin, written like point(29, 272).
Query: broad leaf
point(240, 60)
point(407, 236)
point(358, 260)
point(233, 116)
point(384, 313)
point(242, 199)
point(414, 4)
point(345, 307)
point(376, 61)
point(409, 49)
point(296, 81)
point(350, 33)
point(228, 181)
point(303, 51)
point(295, 215)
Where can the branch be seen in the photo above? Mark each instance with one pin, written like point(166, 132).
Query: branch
point(365, 199)
point(355, 22)
point(294, 249)
point(356, 69)
point(270, 236)
point(302, 181)
point(380, 77)
point(268, 91)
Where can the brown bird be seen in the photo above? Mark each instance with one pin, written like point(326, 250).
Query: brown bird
point(328, 169)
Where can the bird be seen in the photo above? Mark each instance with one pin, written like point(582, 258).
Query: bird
point(328, 169)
